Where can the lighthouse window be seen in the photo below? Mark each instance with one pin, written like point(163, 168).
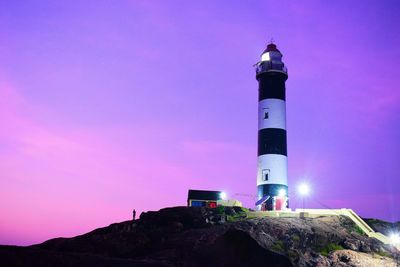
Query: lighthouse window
point(266, 114)
point(265, 174)
point(265, 57)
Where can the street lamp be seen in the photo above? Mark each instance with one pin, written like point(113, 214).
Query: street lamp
point(304, 191)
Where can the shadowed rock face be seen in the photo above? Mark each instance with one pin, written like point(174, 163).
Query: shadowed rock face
point(193, 237)
point(235, 248)
point(11, 256)
point(238, 248)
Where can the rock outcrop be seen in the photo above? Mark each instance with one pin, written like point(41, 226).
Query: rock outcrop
point(383, 227)
point(182, 236)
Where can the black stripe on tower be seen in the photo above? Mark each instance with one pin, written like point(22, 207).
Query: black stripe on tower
point(271, 85)
point(272, 141)
point(270, 189)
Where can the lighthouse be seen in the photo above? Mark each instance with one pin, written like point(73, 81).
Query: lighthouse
point(272, 177)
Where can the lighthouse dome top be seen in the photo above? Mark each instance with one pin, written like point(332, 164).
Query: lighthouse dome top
point(271, 47)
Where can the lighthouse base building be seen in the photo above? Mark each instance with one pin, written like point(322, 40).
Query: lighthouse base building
point(272, 185)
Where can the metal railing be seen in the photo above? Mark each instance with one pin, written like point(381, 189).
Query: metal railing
point(265, 66)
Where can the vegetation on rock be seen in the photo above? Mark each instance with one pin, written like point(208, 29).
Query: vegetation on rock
point(329, 248)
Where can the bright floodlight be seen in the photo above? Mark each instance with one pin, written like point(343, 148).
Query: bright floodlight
point(304, 189)
point(222, 195)
point(282, 193)
point(395, 238)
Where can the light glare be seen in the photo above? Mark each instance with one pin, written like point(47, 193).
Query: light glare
point(282, 193)
point(304, 189)
point(395, 238)
point(223, 195)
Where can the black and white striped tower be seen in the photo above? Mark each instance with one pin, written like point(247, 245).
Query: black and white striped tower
point(272, 185)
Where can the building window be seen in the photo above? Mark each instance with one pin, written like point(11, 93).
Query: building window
point(265, 174)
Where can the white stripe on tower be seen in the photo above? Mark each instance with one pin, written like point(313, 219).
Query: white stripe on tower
point(275, 111)
point(278, 166)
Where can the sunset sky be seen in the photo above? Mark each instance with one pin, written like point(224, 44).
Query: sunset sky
point(106, 106)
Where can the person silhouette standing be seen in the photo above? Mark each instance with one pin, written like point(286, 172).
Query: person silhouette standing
point(134, 214)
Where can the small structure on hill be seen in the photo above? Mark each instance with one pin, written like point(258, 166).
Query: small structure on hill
point(204, 198)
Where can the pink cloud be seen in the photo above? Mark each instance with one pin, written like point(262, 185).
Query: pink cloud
point(65, 181)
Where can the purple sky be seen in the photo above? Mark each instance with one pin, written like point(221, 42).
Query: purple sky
point(112, 105)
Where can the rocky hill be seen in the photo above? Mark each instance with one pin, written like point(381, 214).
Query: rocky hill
point(383, 227)
point(182, 236)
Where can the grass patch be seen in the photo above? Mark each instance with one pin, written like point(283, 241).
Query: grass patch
point(384, 254)
point(295, 238)
point(220, 209)
point(358, 230)
point(293, 254)
point(233, 218)
point(278, 246)
point(244, 209)
point(329, 248)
